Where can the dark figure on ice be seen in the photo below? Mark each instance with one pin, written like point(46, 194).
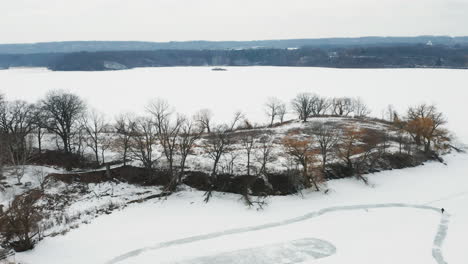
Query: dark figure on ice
point(442, 210)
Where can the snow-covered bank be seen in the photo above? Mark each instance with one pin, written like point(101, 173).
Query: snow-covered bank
point(380, 235)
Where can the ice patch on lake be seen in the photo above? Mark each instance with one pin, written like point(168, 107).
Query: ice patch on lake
point(296, 251)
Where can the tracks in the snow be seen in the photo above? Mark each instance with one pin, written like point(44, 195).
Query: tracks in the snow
point(436, 247)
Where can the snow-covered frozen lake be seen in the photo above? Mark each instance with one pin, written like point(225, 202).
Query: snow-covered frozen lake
point(183, 229)
point(365, 235)
point(246, 88)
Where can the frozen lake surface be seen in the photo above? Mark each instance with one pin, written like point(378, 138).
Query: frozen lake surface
point(367, 235)
point(247, 88)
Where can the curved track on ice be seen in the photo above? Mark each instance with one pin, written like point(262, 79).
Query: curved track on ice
point(291, 252)
point(436, 246)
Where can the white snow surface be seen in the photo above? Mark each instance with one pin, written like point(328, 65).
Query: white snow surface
point(366, 236)
point(379, 235)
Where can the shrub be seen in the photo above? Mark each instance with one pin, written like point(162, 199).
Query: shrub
point(19, 224)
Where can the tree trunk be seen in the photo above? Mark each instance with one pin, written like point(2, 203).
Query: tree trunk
point(65, 144)
point(324, 162)
point(102, 157)
point(96, 153)
point(108, 172)
point(171, 169)
point(248, 163)
point(213, 173)
point(125, 156)
point(315, 185)
point(39, 140)
point(306, 175)
point(427, 147)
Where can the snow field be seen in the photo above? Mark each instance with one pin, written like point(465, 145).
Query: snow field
point(384, 235)
point(393, 233)
point(352, 238)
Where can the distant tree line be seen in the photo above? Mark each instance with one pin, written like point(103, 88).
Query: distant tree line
point(408, 56)
point(324, 43)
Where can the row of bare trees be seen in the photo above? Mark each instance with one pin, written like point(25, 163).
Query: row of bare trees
point(313, 150)
point(163, 135)
point(360, 148)
point(23, 123)
point(306, 105)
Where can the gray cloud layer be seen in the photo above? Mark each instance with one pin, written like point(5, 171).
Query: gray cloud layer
point(165, 20)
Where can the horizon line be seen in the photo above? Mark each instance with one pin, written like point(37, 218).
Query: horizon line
point(252, 40)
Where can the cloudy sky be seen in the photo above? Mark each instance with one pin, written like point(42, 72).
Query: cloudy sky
point(165, 20)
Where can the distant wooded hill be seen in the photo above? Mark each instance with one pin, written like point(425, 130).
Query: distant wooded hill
point(386, 55)
point(92, 46)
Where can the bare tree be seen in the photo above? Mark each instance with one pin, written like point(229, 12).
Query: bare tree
point(19, 225)
point(229, 161)
point(16, 123)
point(94, 125)
point(327, 138)
point(79, 141)
point(189, 134)
point(389, 113)
point(248, 143)
point(238, 116)
point(272, 108)
point(216, 145)
point(19, 160)
point(124, 127)
point(282, 110)
point(302, 104)
point(64, 111)
point(106, 143)
point(303, 153)
point(372, 145)
point(167, 131)
point(356, 147)
point(41, 177)
point(360, 109)
point(203, 117)
point(320, 105)
point(39, 120)
point(3, 141)
point(349, 145)
point(265, 154)
point(142, 141)
point(342, 106)
point(3, 153)
point(399, 129)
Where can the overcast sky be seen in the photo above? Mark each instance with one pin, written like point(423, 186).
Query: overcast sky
point(166, 20)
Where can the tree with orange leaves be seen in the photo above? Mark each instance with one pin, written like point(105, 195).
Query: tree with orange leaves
point(357, 147)
point(424, 125)
point(349, 145)
point(302, 151)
